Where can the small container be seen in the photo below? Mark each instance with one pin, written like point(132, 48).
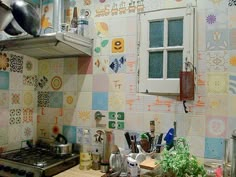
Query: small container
point(104, 167)
point(96, 160)
point(211, 168)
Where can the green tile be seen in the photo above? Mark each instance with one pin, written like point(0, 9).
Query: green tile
point(112, 124)
point(121, 116)
point(120, 125)
point(112, 115)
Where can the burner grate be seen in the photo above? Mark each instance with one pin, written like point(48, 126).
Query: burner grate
point(34, 156)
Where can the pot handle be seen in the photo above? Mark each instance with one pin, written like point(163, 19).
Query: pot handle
point(111, 160)
point(61, 138)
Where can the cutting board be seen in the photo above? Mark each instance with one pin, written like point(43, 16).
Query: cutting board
point(149, 164)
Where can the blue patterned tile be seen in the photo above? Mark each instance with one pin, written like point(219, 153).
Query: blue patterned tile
point(217, 39)
point(70, 133)
point(214, 148)
point(55, 99)
point(4, 80)
point(117, 64)
point(100, 101)
point(232, 3)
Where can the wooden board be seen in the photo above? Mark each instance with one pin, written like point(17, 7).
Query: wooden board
point(76, 172)
point(149, 164)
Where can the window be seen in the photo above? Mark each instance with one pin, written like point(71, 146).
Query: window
point(166, 43)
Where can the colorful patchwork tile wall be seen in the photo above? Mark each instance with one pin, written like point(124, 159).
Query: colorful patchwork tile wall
point(18, 111)
point(72, 91)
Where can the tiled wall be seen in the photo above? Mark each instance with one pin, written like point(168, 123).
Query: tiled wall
point(70, 91)
point(18, 111)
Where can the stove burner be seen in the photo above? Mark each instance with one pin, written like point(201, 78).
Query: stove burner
point(40, 164)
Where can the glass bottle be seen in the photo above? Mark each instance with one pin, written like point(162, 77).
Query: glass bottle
point(74, 21)
point(85, 154)
point(83, 24)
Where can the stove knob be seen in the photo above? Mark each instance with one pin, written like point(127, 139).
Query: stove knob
point(14, 170)
point(29, 174)
point(1, 167)
point(7, 168)
point(21, 172)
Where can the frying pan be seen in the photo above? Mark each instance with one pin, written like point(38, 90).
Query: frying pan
point(26, 16)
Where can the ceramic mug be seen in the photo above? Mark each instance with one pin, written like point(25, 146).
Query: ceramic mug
point(64, 27)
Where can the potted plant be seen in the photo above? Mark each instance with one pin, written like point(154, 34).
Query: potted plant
point(178, 161)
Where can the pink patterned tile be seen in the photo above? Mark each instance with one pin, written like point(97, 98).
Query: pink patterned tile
point(27, 131)
point(15, 99)
point(130, 83)
point(85, 65)
point(97, 80)
point(134, 103)
point(216, 126)
point(116, 82)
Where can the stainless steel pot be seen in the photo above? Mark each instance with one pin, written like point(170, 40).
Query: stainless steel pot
point(61, 149)
point(61, 146)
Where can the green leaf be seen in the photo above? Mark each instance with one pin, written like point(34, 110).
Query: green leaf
point(104, 43)
point(180, 161)
point(97, 49)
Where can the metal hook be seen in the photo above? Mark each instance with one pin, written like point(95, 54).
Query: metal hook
point(185, 107)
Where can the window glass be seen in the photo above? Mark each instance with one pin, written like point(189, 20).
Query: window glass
point(174, 63)
point(156, 34)
point(155, 65)
point(175, 32)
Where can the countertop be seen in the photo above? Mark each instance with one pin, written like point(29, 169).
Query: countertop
point(75, 172)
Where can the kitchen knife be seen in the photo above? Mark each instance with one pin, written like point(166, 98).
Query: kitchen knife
point(127, 137)
point(158, 148)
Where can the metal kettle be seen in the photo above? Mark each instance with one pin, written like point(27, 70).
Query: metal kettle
point(115, 160)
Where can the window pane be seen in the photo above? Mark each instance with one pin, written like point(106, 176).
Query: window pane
point(174, 63)
point(155, 65)
point(156, 34)
point(175, 32)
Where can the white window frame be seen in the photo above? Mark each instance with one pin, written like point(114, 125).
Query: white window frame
point(164, 85)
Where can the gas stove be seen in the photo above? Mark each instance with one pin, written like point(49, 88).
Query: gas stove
point(35, 162)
